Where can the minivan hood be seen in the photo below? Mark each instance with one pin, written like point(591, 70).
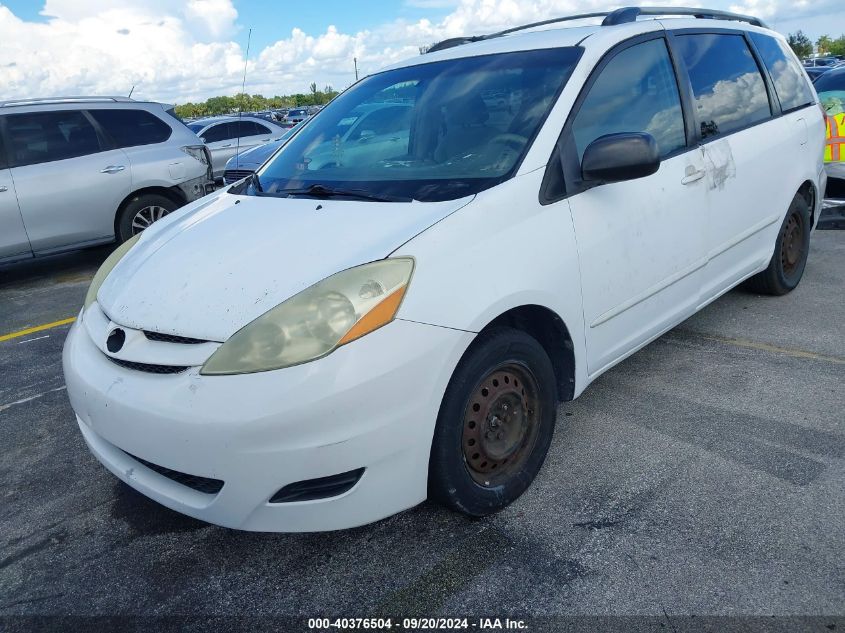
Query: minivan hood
point(211, 268)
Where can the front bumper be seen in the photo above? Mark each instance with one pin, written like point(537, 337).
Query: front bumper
point(371, 404)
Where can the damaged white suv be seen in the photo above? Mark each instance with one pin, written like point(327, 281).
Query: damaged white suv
point(349, 336)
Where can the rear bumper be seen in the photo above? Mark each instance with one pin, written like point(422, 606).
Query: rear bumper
point(196, 188)
point(371, 404)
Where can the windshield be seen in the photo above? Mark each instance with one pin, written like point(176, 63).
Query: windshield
point(196, 128)
point(436, 131)
point(831, 89)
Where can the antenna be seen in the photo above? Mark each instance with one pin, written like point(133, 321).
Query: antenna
point(130, 92)
point(240, 109)
point(355, 59)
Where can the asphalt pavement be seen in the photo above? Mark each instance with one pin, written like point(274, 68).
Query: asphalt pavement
point(705, 475)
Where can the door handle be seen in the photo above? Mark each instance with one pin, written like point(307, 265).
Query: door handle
point(692, 175)
point(112, 169)
point(3, 188)
point(229, 145)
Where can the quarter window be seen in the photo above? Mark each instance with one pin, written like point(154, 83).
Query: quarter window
point(41, 137)
point(636, 92)
point(130, 128)
point(791, 87)
point(728, 89)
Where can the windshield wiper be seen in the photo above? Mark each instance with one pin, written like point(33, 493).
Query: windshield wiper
point(322, 191)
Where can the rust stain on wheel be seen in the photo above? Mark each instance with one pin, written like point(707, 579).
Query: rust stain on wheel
point(791, 248)
point(501, 423)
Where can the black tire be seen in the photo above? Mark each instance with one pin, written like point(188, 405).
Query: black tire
point(142, 206)
point(520, 417)
point(787, 265)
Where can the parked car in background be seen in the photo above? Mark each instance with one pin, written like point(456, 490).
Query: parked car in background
point(296, 115)
point(324, 345)
point(246, 163)
point(82, 171)
point(820, 61)
point(815, 72)
point(831, 90)
point(266, 115)
point(226, 136)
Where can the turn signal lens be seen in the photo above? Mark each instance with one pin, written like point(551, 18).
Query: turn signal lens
point(318, 320)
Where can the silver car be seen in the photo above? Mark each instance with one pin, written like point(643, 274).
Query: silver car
point(227, 136)
point(82, 171)
point(247, 162)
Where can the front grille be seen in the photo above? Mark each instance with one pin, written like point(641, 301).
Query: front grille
point(194, 482)
point(321, 488)
point(234, 175)
point(145, 367)
point(172, 338)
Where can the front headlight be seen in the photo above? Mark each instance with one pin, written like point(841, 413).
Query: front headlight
point(318, 320)
point(107, 267)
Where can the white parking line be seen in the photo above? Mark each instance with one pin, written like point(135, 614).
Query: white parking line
point(37, 338)
point(3, 407)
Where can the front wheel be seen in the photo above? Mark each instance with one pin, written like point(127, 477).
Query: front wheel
point(495, 424)
point(141, 212)
point(791, 249)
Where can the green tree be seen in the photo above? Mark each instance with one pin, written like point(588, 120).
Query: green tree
point(823, 44)
point(837, 46)
point(243, 102)
point(800, 43)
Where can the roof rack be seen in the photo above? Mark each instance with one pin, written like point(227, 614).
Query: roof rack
point(623, 15)
point(52, 100)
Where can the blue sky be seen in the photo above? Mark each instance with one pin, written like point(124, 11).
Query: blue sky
point(270, 21)
point(180, 50)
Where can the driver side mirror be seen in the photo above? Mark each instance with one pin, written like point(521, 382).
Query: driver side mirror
point(620, 157)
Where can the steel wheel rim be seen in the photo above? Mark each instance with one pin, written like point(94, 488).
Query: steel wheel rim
point(501, 424)
point(146, 216)
point(792, 244)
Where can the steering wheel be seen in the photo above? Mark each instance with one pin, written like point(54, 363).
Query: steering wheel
point(516, 140)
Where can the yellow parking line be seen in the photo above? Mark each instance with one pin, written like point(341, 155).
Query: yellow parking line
point(767, 347)
point(37, 328)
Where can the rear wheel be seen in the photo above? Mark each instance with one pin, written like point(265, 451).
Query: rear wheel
point(791, 249)
point(495, 424)
point(141, 212)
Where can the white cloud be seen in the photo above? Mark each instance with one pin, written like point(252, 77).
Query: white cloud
point(176, 50)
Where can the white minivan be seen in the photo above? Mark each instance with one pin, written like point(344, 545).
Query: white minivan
point(345, 339)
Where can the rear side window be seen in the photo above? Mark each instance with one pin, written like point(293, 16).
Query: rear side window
point(41, 137)
point(251, 128)
point(831, 89)
point(219, 132)
point(636, 92)
point(130, 128)
point(728, 90)
point(791, 87)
